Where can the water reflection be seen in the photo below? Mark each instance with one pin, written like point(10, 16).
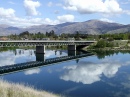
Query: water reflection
point(104, 75)
point(9, 58)
point(102, 54)
point(32, 71)
point(88, 72)
point(21, 56)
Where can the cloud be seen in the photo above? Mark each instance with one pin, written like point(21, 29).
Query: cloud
point(32, 71)
point(66, 18)
point(5, 13)
point(125, 2)
point(7, 16)
point(56, 11)
point(10, 2)
point(10, 19)
point(107, 20)
point(49, 4)
point(127, 12)
point(93, 6)
point(88, 73)
point(54, 4)
point(5, 58)
point(30, 7)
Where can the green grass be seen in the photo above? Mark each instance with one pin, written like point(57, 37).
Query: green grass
point(18, 90)
point(120, 43)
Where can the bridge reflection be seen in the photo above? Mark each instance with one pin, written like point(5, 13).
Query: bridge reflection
point(40, 61)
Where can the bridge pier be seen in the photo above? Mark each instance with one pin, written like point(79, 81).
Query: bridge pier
point(40, 49)
point(71, 53)
point(71, 50)
point(40, 57)
point(72, 47)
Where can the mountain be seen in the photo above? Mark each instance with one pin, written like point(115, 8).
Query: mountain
point(87, 27)
point(7, 30)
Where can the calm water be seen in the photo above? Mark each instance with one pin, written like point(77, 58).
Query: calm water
point(93, 76)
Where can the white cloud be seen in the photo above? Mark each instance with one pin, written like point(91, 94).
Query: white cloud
point(50, 4)
point(11, 19)
point(32, 71)
point(127, 12)
point(88, 73)
point(10, 2)
point(125, 2)
point(56, 11)
point(5, 58)
point(66, 18)
point(30, 7)
point(59, 4)
point(54, 4)
point(93, 6)
point(7, 16)
point(5, 13)
point(107, 20)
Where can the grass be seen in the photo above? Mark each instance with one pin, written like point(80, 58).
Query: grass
point(18, 90)
point(120, 42)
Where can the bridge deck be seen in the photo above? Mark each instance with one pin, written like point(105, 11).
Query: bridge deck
point(42, 41)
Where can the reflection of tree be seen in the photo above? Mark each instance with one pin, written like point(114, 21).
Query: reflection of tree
point(77, 60)
point(60, 52)
point(7, 48)
point(19, 52)
point(103, 53)
point(15, 52)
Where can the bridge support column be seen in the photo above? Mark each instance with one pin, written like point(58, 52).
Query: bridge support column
point(71, 53)
point(40, 57)
point(71, 50)
point(40, 49)
point(72, 47)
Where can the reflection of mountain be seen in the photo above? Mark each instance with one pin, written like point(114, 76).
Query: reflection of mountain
point(88, 73)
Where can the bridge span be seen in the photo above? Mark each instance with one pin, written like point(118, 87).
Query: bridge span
point(40, 44)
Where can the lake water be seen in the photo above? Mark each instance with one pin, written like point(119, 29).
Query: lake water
point(102, 75)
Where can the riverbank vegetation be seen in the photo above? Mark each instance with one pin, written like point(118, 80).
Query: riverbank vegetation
point(104, 41)
point(103, 53)
point(64, 36)
point(111, 45)
point(18, 90)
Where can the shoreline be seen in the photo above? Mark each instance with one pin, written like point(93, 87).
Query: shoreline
point(9, 89)
point(110, 49)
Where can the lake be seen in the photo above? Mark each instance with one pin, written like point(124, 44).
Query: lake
point(105, 74)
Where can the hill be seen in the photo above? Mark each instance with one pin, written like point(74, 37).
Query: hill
point(87, 27)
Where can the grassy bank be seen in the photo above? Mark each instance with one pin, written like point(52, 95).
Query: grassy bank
point(17, 90)
point(110, 45)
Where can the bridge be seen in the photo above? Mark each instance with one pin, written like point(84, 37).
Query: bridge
point(40, 44)
point(33, 64)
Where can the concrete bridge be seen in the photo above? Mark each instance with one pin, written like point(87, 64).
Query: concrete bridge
point(40, 44)
point(27, 65)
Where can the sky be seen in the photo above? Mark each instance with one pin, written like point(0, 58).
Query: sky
point(24, 13)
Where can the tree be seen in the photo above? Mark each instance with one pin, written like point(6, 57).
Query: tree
point(46, 34)
point(101, 44)
point(77, 35)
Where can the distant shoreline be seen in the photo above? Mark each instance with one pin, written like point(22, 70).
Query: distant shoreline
point(111, 49)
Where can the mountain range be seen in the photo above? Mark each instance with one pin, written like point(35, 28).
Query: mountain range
point(87, 27)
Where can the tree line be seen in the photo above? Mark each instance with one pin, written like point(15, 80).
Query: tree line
point(77, 36)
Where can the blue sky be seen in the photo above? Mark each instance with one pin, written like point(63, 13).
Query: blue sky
point(24, 13)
